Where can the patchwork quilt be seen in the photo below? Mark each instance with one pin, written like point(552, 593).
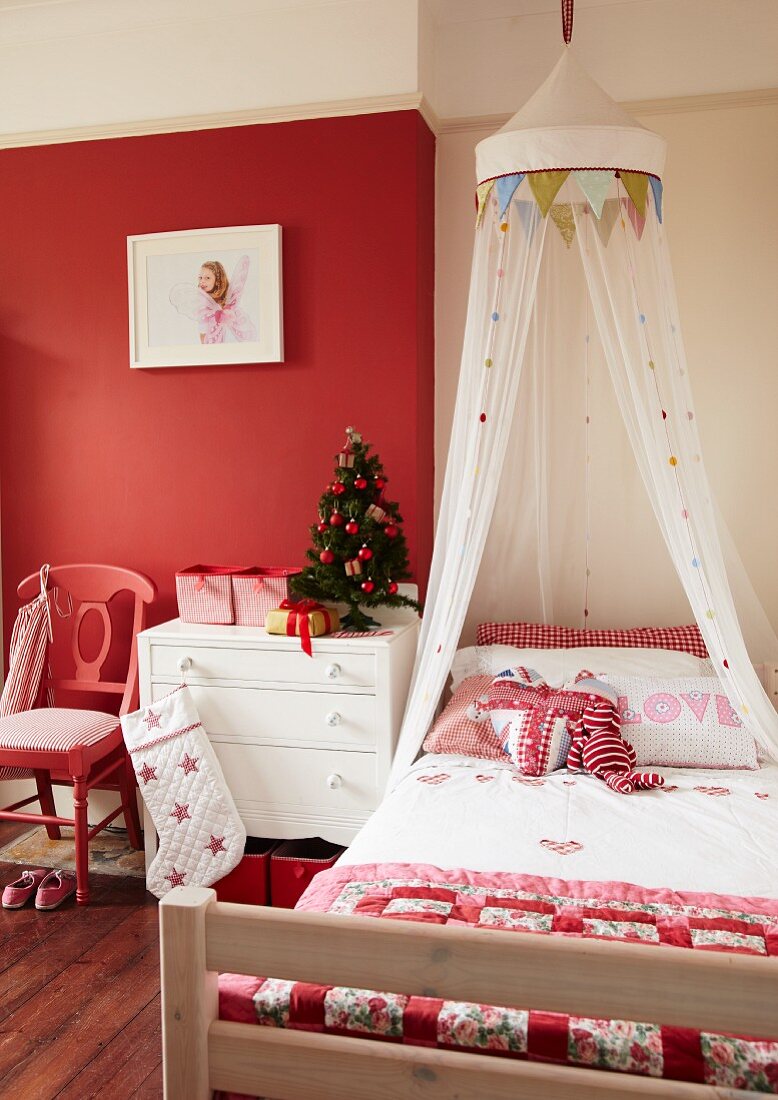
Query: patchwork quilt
point(541, 906)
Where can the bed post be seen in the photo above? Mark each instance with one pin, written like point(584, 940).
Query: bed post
point(189, 993)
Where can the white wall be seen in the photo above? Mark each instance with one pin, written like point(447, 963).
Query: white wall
point(724, 244)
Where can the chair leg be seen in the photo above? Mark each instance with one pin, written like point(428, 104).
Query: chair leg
point(129, 796)
point(80, 812)
point(46, 799)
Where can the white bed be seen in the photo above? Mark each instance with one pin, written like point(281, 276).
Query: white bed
point(706, 831)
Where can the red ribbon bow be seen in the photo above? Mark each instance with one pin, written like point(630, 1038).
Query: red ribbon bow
point(299, 611)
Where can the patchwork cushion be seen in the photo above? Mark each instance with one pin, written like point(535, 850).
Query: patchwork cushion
point(456, 731)
point(55, 729)
point(532, 721)
point(546, 636)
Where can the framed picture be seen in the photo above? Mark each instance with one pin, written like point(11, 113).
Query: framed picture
point(206, 296)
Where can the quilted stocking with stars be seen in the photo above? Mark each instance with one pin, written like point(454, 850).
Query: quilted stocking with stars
point(201, 836)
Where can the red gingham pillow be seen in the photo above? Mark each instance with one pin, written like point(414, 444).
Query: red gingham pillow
point(455, 732)
point(687, 639)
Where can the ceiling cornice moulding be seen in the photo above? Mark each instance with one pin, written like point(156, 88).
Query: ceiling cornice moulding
point(409, 101)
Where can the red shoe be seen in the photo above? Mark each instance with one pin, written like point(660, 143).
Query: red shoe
point(18, 893)
point(55, 888)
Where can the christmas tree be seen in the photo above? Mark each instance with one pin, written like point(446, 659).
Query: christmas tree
point(359, 553)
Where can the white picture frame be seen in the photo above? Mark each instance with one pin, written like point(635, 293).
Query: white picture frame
point(205, 297)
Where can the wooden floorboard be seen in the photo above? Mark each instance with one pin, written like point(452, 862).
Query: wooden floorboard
point(79, 995)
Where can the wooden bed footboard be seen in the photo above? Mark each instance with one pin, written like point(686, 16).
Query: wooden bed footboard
point(200, 938)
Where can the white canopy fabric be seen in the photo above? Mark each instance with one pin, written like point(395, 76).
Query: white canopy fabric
point(570, 267)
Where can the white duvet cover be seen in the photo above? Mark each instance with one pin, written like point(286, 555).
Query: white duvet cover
point(706, 831)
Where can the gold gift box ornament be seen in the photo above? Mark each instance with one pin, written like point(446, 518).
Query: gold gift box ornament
point(304, 619)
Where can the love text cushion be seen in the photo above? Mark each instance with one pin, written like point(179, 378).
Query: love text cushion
point(682, 723)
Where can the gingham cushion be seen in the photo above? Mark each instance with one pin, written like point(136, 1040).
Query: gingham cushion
point(455, 732)
point(687, 639)
point(55, 729)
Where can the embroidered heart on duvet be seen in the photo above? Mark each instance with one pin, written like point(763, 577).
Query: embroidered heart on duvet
point(528, 782)
point(484, 778)
point(561, 847)
point(434, 779)
point(713, 790)
point(759, 794)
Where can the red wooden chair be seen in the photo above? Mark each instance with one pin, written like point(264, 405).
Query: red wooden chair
point(82, 748)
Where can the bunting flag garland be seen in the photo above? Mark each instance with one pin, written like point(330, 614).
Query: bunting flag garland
point(562, 217)
point(610, 212)
point(545, 187)
point(656, 188)
point(506, 188)
point(636, 185)
point(595, 185)
point(637, 221)
point(481, 195)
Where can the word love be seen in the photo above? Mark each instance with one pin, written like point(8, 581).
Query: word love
point(663, 707)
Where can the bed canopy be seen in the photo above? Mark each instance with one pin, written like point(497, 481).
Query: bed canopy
point(571, 268)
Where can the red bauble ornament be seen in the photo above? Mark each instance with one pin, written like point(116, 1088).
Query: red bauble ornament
point(365, 554)
point(338, 487)
point(326, 557)
point(352, 527)
point(380, 482)
point(321, 527)
point(336, 519)
point(367, 586)
point(360, 483)
point(392, 587)
point(391, 530)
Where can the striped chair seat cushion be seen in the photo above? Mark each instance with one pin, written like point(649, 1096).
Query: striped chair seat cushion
point(55, 729)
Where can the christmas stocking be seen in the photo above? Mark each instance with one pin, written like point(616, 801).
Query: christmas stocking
point(201, 836)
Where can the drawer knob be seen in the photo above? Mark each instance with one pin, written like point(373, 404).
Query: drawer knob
point(184, 664)
point(332, 672)
point(334, 781)
point(333, 718)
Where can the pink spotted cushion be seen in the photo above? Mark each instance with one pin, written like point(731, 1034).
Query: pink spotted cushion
point(455, 732)
point(682, 723)
point(687, 639)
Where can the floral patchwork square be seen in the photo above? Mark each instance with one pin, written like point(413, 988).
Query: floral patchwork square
point(615, 1044)
point(717, 937)
point(417, 905)
point(621, 929)
point(271, 1002)
point(515, 918)
point(365, 1010)
point(482, 1027)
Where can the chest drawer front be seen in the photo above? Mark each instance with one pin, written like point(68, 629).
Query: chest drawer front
point(325, 779)
point(291, 666)
point(256, 715)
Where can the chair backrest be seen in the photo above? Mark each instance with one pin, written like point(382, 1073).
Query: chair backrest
point(90, 588)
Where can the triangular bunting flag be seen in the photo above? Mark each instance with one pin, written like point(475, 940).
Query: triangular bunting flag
point(529, 216)
point(562, 217)
point(636, 184)
point(482, 192)
point(506, 186)
point(638, 223)
point(595, 186)
point(656, 187)
point(610, 211)
point(545, 186)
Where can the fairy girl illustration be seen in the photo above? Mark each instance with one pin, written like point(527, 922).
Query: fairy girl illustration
point(214, 303)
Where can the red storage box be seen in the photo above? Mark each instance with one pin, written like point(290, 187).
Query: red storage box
point(294, 863)
point(258, 590)
point(249, 882)
point(205, 593)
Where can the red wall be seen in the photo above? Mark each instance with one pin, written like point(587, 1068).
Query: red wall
point(162, 468)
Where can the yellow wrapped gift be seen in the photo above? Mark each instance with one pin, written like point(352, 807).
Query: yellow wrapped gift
point(304, 619)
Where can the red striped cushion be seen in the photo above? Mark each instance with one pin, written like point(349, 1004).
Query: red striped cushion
point(55, 729)
point(686, 639)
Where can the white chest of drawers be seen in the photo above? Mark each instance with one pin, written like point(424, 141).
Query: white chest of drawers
point(305, 743)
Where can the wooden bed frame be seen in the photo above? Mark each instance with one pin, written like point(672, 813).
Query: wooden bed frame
point(200, 937)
